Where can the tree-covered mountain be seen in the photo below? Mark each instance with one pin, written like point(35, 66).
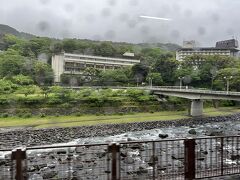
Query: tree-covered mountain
point(5, 29)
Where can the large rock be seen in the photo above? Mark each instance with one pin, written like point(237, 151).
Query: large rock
point(129, 160)
point(81, 150)
point(163, 136)
point(47, 173)
point(35, 176)
point(192, 131)
point(101, 153)
point(153, 160)
point(64, 174)
point(235, 157)
point(215, 133)
point(2, 162)
point(139, 146)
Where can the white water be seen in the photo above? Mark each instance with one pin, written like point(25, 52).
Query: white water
point(229, 128)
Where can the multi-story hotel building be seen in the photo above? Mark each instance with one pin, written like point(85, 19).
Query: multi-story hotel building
point(66, 63)
point(223, 48)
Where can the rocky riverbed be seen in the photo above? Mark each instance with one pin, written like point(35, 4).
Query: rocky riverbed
point(92, 162)
point(10, 138)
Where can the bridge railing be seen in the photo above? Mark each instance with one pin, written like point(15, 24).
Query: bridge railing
point(161, 159)
point(193, 90)
point(168, 88)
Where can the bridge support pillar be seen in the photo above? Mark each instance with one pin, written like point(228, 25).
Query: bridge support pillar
point(196, 107)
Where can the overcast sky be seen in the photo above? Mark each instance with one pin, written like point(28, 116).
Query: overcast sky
point(205, 21)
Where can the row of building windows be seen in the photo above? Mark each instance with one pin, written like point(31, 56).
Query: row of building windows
point(83, 65)
point(189, 53)
point(79, 69)
point(103, 60)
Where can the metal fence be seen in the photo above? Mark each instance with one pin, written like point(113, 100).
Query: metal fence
point(164, 159)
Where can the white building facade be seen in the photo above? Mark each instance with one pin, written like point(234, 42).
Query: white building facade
point(184, 52)
point(222, 48)
point(67, 63)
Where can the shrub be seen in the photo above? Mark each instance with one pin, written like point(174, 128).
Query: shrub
point(27, 115)
point(4, 100)
point(20, 115)
point(78, 114)
point(227, 103)
point(120, 113)
point(42, 115)
point(54, 100)
point(31, 100)
point(98, 114)
point(4, 115)
point(65, 105)
point(57, 115)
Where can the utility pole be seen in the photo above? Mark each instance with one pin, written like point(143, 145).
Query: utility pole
point(150, 82)
point(180, 79)
point(228, 82)
point(212, 83)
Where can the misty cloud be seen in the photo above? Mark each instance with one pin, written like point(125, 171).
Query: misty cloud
point(118, 20)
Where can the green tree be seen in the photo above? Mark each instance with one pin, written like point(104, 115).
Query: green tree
point(6, 86)
point(139, 72)
point(69, 45)
point(11, 63)
point(229, 74)
point(45, 90)
point(189, 74)
point(166, 65)
point(113, 77)
point(149, 56)
point(27, 90)
point(90, 76)
point(156, 79)
point(11, 40)
point(43, 73)
point(22, 80)
point(57, 48)
point(39, 45)
point(121, 49)
point(61, 93)
point(105, 49)
point(207, 67)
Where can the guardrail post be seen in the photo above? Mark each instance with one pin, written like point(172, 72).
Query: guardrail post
point(222, 156)
point(114, 148)
point(189, 159)
point(19, 155)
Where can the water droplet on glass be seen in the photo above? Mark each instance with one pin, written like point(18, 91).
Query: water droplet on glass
point(110, 34)
point(106, 12)
point(201, 31)
point(43, 26)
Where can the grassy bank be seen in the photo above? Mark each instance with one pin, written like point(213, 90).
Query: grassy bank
point(68, 121)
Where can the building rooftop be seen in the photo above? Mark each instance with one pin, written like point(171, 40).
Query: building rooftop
point(231, 44)
point(128, 54)
point(100, 57)
point(208, 48)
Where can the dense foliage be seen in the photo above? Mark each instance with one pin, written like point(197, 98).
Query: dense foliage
point(27, 62)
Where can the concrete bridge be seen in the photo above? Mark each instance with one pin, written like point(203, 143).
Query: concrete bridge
point(195, 95)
